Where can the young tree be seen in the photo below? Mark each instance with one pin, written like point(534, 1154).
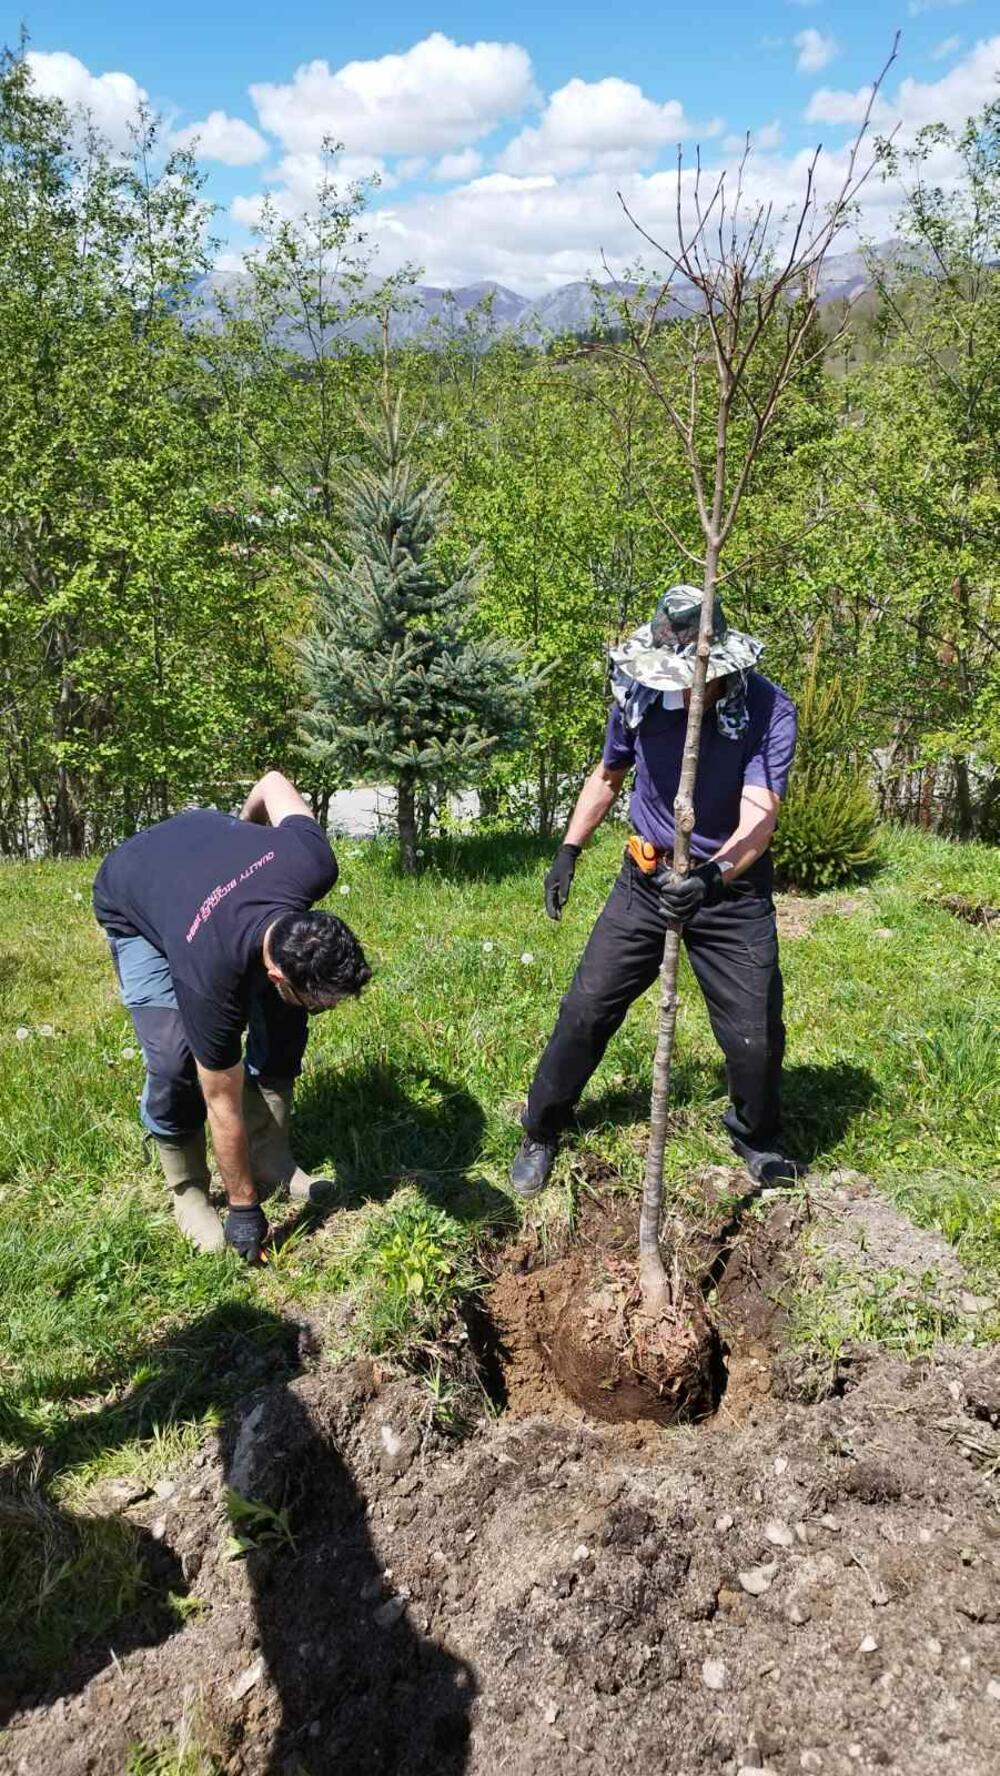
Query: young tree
point(400, 685)
point(751, 303)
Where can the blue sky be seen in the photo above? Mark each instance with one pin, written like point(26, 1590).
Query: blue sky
point(503, 134)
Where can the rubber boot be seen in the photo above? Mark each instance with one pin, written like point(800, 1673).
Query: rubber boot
point(267, 1111)
point(185, 1167)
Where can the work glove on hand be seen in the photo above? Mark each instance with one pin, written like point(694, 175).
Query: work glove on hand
point(683, 896)
point(246, 1230)
point(559, 879)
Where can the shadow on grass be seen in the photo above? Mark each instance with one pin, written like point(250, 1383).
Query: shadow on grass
point(487, 857)
point(68, 1579)
point(858, 878)
point(819, 1102)
point(379, 1125)
point(370, 1696)
point(692, 1082)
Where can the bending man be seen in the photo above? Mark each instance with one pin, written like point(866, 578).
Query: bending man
point(211, 933)
point(724, 905)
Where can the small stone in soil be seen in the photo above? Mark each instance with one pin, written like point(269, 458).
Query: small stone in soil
point(778, 1534)
point(713, 1674)
point(811, 1761)
point(869, 1644)
point(780, 1464)
point(758, 1579)
point(993, 1690)
point(245, 1683)
point(390, 1611)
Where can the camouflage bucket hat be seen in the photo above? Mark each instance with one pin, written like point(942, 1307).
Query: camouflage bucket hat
point(661, 655)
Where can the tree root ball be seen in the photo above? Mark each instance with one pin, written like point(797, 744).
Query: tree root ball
point(618, 1363)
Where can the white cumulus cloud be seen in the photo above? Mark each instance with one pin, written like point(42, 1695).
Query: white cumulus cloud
point(436, 97)
point(293, 184)
point(816, 51)
point(966, 87)
point(947, 47)
point(112, 100)
point(226, 139)
point(453, 167)
point(597, 123)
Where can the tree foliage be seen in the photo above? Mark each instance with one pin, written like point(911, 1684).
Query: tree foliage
point(175, 446)
point(135, 661)
point(400, 685)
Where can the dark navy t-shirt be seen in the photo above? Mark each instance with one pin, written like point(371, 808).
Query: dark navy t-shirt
point(203, 888)
point(762, 757)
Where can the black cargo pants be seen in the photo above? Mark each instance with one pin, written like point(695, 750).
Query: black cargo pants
point(733, 950)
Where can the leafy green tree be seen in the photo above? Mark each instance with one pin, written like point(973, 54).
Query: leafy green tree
point(400, 686)
point(136, 664)
point(544, 481)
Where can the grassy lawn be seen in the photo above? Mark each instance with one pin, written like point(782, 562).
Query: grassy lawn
point(120, 1345)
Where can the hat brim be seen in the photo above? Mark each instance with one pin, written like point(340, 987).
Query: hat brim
point(661, 670)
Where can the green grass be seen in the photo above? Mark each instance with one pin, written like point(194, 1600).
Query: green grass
point(121, 1347)
point(887, 1307)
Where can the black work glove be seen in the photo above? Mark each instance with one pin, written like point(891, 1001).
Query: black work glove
point(246, 1230)
point(683, 896)
point(559, 879)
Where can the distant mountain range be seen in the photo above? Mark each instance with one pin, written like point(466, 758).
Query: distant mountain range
point(436, 314)
point(575, 308)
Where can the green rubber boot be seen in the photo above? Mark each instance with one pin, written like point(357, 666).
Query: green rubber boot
point(267, 1112)
point(185, 1167)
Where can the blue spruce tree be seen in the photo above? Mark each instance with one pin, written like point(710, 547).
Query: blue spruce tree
point(401, 685)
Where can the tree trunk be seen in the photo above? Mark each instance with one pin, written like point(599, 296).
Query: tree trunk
point(652, 1275)
point(965, 824)
point(406, 821)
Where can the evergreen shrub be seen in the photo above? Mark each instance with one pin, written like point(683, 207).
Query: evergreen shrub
point(827, 827)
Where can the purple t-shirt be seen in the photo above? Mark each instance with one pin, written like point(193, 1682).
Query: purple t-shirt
point(761, 756)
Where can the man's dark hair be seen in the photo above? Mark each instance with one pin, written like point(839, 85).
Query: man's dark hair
point(320, 958)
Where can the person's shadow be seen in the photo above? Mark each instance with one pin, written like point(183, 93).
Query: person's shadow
point(360, 1690)
point(820, 1103)
point(377, 1125)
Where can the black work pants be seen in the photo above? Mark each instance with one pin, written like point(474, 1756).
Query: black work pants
point(733, 950)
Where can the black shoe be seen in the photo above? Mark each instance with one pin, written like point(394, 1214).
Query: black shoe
point(768, 1165)
point(530, 1171)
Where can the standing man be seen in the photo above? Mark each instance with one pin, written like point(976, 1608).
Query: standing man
point(211, 934)
point(724, 906)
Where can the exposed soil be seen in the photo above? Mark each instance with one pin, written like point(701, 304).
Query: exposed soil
point(797, 913)
point(973, 912)
point(807, 1581)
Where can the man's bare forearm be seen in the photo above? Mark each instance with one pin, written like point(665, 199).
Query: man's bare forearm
point(232, 1155)
point(751, 838)
point(223, 1094)
point(596, 799)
